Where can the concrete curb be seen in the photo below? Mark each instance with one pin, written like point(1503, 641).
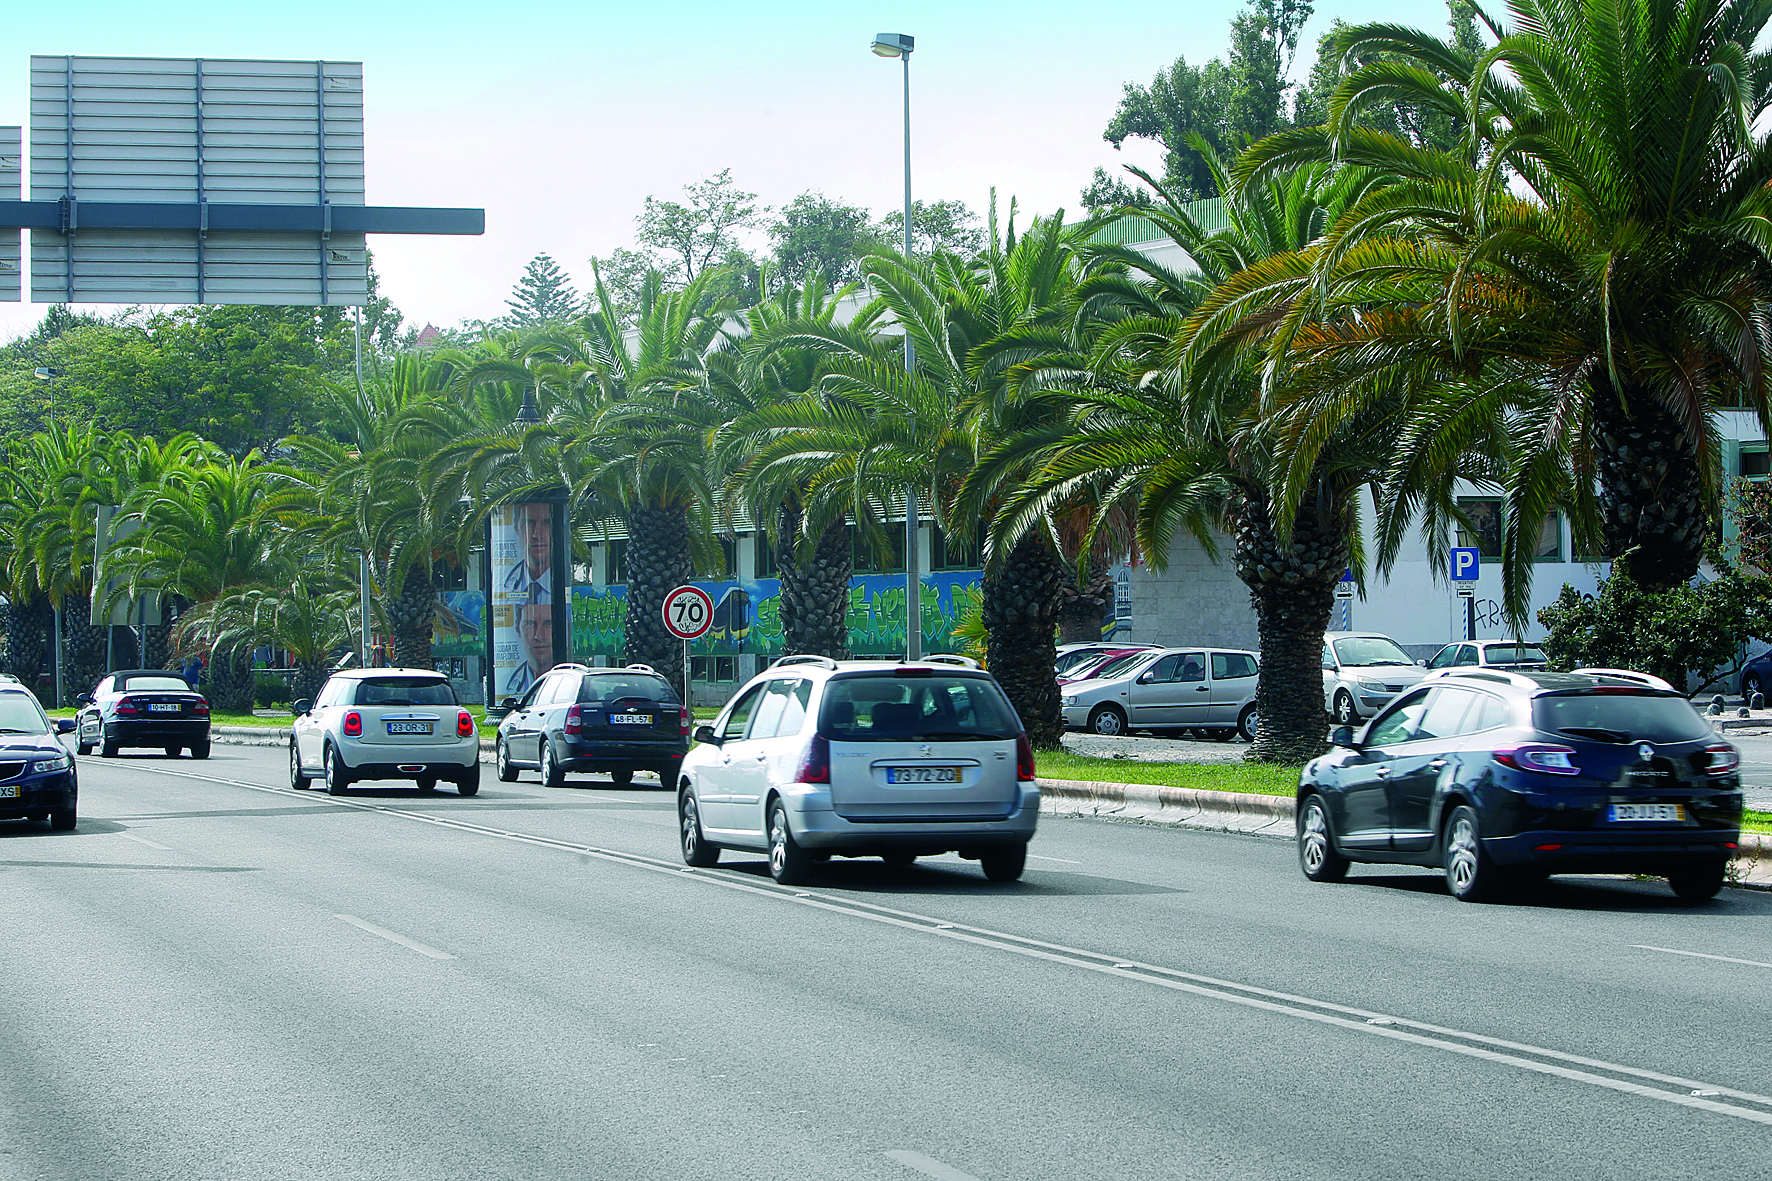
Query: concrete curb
point(279, 736)
point(1267, 816)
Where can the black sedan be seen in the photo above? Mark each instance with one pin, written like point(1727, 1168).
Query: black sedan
point(1504, 778)
point(143, 707)
point(37, 778)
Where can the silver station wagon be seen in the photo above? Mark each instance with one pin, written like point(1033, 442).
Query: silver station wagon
point(862, 758)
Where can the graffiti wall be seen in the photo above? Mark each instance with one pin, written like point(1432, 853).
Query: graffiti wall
point(747, 615)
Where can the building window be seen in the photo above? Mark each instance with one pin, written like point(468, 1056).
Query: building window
point(1755, 462)
point(1487, 521)
point(950, 553)
point(868, 560)
point(764, 554)
point(615, 553)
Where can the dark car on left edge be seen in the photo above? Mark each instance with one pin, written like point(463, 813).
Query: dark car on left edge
point(37, 778)
point(1504, 778)
point(142, 707)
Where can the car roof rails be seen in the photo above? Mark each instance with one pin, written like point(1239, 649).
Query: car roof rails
point(805, 658)
point(1625, 674)
point(951, 658)
point(1500, 676)
point(567, 666)
point(640, 668)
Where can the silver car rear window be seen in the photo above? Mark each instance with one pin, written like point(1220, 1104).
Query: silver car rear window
point(403, 691)
point(899, 708)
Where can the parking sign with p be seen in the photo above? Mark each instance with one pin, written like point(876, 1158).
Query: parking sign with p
point(1465, 564)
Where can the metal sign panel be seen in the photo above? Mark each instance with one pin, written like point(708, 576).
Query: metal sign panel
point(1466, 563)
point(11, 174)
point(204, 134)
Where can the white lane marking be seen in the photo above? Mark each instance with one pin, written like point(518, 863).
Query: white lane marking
point(391, 937)
point(145, 841)
point(1042, 857)
point(928, 1166)
point(1727, 959)
point(1283, 1004)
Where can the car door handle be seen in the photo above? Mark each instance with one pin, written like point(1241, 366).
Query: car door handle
point(1382, 772)
point(1203, 689)
point(761, 755)
point(1437, 764)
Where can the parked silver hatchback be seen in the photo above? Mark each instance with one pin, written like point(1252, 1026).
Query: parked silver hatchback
point(861, 758)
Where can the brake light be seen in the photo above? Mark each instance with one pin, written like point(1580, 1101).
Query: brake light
point(126, 706)
point(815, 762)
point(683, 721)
point(353, 724)
point(201, 709)
point(1724, 758)
point(464, 724)
point(575, 720)
point(1024, 758)
point(1539, 756)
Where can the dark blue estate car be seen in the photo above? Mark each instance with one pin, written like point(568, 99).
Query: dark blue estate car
point(37, 779)
point(1504, 778)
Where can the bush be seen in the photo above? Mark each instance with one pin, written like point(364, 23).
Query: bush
point(271, 691)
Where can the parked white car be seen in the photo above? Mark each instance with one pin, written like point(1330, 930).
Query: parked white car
point(862, 758)
point(1209, 689)
point(384, 723)
point(1362, 671)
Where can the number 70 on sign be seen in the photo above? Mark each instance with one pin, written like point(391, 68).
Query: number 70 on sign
point(688, 612)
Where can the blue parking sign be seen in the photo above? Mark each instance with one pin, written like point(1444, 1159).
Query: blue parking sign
point(1465, 564)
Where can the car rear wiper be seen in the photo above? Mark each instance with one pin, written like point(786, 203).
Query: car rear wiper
point(1597, 734)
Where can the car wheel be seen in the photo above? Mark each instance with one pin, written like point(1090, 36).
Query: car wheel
point(338, 776)
point(1316, 851)
point(63, 819)
point(1107, 719)
point(82, 748)
point(1470, 875)
point(551, 775)
point(1345, 713)
point(1750, 684)
point(297, 780)
point(788, 862)
point(469, 783)
point(621, 778)
point(506, 772)
point(172, 751)
point(200, 750)
point(427, 783)
point(1700, 883)
point(1248, 722)
point(1004, 864)
point(109, 749)
point(696, 850)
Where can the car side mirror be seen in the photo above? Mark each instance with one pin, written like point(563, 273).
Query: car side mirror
point(509, 703)
point(301, 706)
point(706, 734)
point(64, 725)
point(1343, 736)
point(1144, 678)
point(82, 699)
point(1422, 663)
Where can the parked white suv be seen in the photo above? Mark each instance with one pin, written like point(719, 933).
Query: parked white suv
point(384, 723)
point(862, 758)
point(1362, 671)
point(1201, 689)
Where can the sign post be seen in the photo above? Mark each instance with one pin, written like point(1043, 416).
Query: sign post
point(688, 614)
point(1466, 562)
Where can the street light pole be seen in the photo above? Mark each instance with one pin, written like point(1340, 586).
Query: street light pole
point(900, 45)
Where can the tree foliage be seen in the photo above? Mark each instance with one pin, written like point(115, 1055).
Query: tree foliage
point(699, 233)
point(544, 295)
point(815, 232)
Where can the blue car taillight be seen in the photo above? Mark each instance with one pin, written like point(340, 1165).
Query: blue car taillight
point(1538, 756)
point(1722, 759)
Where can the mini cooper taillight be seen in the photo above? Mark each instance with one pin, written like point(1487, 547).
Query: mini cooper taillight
point(1721, 758)
point(815, 761)
point(1024, 758)
point(1538, 756)
point(353, 724)
point(684, 718)
point(575, 720)
point(464, 724)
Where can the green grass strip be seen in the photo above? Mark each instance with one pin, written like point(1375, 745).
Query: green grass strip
point(1260, 778)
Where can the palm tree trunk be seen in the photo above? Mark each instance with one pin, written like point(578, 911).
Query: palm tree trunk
point(29, 626)
point(1085, 612)
point(412, 617)
point(1292, 588)
point(658, 560)
point(83, 646)
point(1651, 496)
point(308, 679)
point(814, 601)
point(1021, 615)
point(228, 681)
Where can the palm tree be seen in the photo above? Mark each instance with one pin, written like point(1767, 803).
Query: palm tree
point(309, 626)
point(1600, 242)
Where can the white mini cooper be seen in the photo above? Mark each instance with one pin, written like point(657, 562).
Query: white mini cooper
point(384, 723)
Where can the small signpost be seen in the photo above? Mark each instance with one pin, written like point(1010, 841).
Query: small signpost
point(688, 614)
point(1467, 561)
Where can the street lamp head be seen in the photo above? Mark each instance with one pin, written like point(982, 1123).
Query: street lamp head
point(529, 415)
point(43, 374)
point(893, 44)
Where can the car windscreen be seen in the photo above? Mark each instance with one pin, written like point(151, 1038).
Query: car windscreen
point(918, 708)
point(1121, 665)
point(595, 690)
point(1370, 650)
point(20, 714)
point(1514, 654)
point(403, 691)
point(163, 684)
point(1620, 717)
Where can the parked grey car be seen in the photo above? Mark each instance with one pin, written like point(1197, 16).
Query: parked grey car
point(1205, 689)
point(1362, 671)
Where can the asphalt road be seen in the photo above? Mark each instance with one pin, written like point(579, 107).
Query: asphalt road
point(215, 977)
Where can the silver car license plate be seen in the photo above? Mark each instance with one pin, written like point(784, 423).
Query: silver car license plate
point(409, 727)
point(922, 775)
point(630, 719)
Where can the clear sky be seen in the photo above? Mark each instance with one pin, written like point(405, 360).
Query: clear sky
point(560, 118)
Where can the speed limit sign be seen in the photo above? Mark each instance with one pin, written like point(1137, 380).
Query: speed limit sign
point(688, 612)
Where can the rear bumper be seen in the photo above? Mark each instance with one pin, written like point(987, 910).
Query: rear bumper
point(1612, 851)
point(383, 760)
point(52, 793)
point(157, 731)
point(817, 826)
point(619, 756)
point(414, 770)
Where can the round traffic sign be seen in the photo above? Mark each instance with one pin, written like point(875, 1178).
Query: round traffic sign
point(688, 612)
